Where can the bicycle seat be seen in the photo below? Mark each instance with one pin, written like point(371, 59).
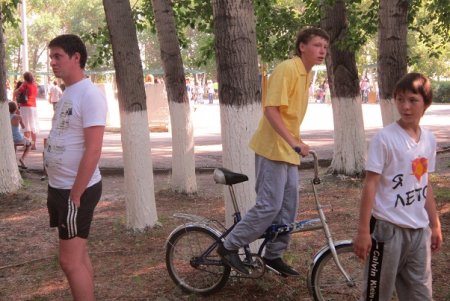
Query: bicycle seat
point(227, 177)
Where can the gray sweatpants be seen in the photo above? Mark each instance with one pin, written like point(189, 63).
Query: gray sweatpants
point(276, 202)
point(400, 258)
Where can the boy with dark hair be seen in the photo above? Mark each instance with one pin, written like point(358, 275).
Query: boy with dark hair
point(71, 44)
point(278, 147)
point(71, 160)
point(399, 226)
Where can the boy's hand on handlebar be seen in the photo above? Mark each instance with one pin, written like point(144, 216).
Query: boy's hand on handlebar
point(302, 149)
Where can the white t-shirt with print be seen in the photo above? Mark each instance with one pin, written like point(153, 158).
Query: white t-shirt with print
point(404, 166)
point(82, 105)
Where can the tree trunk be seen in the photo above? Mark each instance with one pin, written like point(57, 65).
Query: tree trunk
point(138, 170)
point(239, 92)
point(392, 53)
point(10, 179)
point(349, 138)
point(183, 160)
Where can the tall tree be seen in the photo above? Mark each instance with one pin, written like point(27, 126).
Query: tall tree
point(392, 53)
point(183, 161)
point(10, 179)
point(139, 185)
point(239, 91)
point(349, 136)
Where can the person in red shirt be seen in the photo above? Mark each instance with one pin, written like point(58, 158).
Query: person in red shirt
point(28, 110)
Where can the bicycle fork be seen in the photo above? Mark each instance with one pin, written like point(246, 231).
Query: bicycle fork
point(330, 241)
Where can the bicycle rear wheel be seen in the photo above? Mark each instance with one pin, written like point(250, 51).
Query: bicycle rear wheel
point(189, 266)
point(327, 282)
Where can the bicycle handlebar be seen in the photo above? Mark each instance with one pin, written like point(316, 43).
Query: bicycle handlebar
point(316, 179)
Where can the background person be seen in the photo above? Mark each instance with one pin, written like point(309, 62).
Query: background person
point(28, 110)
point(54, 94)
point(18, 138)
point(71, 160)
point(211, 92)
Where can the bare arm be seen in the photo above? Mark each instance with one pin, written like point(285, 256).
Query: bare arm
point(274, 117)
point(435, 224)
point(363, 241)
point(22, 125)
point(93, 137)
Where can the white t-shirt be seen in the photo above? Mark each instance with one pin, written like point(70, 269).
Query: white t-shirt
point(54, 93)
point(404, 166)
point(82, 105)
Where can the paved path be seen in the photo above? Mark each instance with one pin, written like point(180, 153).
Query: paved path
point(317, 130)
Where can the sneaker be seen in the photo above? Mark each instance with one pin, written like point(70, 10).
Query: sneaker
point(231, 258)
point(281, 267)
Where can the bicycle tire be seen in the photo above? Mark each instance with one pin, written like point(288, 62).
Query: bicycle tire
point(327, 282)
point(183, 246)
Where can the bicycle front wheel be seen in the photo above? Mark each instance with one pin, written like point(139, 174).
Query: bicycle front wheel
point(328, 283)
point(192, 261)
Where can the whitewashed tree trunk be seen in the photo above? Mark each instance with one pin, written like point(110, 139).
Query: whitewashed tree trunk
point(392, 53)
point(349, 138)
point(183, 160)
point(349, 152)
point(237, 156)
point(10, 179)
point(239, 92)
point(388, 110)
point(138, 169)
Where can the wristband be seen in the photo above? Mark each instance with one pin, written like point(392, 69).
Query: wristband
point(297, 149)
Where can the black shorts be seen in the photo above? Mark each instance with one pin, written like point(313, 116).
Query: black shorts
point(71, 221)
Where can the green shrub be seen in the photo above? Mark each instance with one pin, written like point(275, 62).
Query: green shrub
point(441, 92)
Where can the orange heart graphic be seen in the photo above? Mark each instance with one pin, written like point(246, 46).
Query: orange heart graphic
point(419, 167)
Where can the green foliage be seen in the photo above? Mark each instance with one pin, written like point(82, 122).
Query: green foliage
point(277, 22)
point(190, 15)
point(441, 91)
point(8, 10)
point(431, 20)
point(103, 48)
point(363, 23)
point(276, 27)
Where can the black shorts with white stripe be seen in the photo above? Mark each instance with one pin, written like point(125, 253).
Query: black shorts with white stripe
point(71, 221)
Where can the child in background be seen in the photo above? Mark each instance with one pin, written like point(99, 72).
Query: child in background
point(399, 226)
point(18, 138)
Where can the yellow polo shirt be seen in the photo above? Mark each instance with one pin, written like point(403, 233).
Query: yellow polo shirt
point(287, 89)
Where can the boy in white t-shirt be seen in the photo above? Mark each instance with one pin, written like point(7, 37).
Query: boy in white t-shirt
point(399, 226)
point(71, 160)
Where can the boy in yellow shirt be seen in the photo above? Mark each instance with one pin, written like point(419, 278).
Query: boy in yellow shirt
point(278, 147)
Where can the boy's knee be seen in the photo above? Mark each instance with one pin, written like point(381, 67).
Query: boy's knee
point(68, 265)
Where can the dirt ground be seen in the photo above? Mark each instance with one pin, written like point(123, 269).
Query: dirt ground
point(131, 266)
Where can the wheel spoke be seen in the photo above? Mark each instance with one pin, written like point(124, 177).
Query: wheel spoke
point(186, 265)
point(330, 284)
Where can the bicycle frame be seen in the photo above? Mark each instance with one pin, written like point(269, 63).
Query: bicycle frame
point(274, 230)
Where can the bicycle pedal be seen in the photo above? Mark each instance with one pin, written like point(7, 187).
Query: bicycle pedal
point(257, 267)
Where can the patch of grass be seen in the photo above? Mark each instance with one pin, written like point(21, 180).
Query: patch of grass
point(442, 194)
point(26, 183)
